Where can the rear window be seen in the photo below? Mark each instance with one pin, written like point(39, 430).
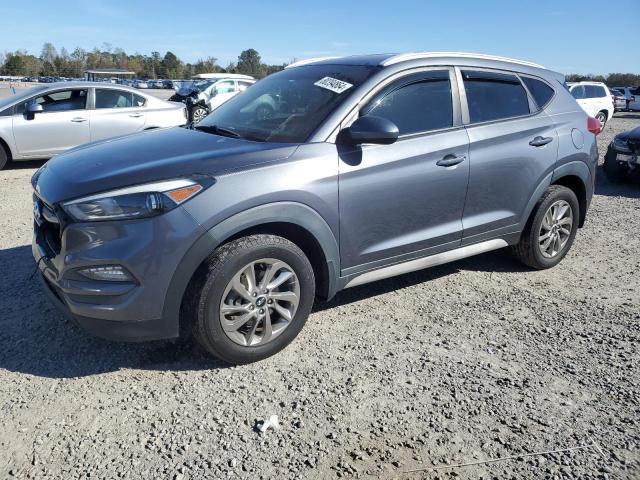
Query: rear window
point(540, 91)
point(494, 96)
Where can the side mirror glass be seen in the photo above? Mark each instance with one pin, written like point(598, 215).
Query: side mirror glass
point(371, 129)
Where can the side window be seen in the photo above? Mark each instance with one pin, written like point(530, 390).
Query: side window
point(594, 91)
point(242, 86)
point(109, 98)
point(494, 96)
point(578, 92)
point(540, 91)
point(226, 86)
point(422, 105)
point(63, 101)
point(139, 100)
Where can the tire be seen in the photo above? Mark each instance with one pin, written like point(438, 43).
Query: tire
point(529, 250)
point(224, 335)
point(601, 116)
point(198, 113)
point(615, 172)
point(4, 157)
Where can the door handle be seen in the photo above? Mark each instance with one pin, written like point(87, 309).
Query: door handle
point(136, 115)
point(78, 120)
point(450, 160)
point(540, 141)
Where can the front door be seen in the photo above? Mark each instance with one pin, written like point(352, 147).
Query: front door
point(222, 91)
point(63, 124)
point(406, 199)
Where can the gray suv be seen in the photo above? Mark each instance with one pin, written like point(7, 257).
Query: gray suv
point(366, 167)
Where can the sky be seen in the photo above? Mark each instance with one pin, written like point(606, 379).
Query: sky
point(567, 36)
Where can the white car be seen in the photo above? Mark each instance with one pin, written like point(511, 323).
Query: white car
point(48, 119)
point(208, 91)
point(594, 98)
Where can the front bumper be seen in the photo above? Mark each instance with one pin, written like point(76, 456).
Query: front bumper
point(150, 249)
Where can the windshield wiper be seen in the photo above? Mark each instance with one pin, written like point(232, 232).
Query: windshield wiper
point(225, 132)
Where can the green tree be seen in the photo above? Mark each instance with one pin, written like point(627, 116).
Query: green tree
point(250, 63)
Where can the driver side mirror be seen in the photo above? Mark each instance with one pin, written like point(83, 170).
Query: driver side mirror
point(371, 129)
point(32, 109)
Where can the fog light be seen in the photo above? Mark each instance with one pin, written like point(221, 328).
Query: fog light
point(108, 273)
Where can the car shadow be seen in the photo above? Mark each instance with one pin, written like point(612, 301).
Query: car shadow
point(629, 189)
point(38, 340)
point(25, 164)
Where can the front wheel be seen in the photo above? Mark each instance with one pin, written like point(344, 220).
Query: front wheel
point(551, 229)
point(257, 295)
point(4, 157)
point(198, 113)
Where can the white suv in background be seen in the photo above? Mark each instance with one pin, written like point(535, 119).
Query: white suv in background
point(594, 98)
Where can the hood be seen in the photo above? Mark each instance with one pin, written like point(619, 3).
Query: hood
point(631, 135)
point(147, 157)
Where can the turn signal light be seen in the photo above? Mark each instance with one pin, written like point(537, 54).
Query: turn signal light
point(182, 194)
point(594, 125)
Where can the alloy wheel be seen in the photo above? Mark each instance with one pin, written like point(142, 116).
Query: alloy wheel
point(259, 302)
point(555, 229)
point(199, 114)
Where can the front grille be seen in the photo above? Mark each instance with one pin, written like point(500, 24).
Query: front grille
point(47, 228)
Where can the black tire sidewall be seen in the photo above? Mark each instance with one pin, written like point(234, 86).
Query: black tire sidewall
point(223, 347)
point(4, 158)
point(561, 194)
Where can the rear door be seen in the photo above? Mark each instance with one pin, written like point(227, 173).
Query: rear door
point(63, 123)
point(513, 147)
point(116, 112)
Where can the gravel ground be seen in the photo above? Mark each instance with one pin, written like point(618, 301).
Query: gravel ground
point(471, 361)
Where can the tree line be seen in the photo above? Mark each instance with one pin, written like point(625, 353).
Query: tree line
point(612, 79)
point(62, 63)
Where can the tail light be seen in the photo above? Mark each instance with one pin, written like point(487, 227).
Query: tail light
point(593, 125)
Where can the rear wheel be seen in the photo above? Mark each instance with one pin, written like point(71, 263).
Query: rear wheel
point(602, 118)
point(256, 298)
point(551, 229)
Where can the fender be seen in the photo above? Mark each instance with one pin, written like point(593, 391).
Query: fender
point(280, 212)
point(575, 168)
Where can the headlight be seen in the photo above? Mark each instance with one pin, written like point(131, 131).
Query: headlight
point(621, 145)
point(139, 201)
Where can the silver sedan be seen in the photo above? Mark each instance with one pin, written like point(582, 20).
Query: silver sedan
point(47, 120)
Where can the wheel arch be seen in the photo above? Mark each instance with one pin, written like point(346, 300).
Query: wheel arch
point(296, 222)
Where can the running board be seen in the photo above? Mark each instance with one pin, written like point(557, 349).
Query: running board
point(426, 262)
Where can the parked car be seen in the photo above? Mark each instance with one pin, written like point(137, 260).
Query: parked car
point(622, 160)
point(630, 96)
point(619, 100)
point(594, 98)
point(167, 84)
point(140, 84)
point(204, 96)
point(234, 226)
point(48, 119)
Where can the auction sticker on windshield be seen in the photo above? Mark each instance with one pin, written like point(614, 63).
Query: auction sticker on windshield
point(333, 84)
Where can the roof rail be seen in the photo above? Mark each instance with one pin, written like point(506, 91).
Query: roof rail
point(403, 57)
point(308, 61)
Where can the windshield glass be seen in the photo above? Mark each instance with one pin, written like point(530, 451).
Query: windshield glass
point(289, 105)
point(20, 95)
point(197, 85)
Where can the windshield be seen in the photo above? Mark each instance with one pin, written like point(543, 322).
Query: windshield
point(20, 95)
point(289, 105)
